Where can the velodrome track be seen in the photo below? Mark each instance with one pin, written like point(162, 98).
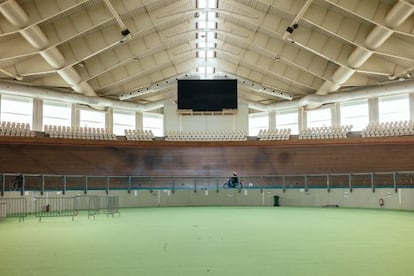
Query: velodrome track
point(186, 241)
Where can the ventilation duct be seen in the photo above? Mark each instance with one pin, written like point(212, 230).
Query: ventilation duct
point(34, 92)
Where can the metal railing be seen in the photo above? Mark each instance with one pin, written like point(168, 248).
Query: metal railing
point(47, 182)
point(13, 207)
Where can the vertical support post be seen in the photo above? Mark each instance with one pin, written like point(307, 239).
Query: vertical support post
point(284, 183)
point(42, 188)
point(372, 183)
point(2, 185)
point(107, 185)
point(64, 184)
point(350, 182)
point(129, 185)
point(306, 183)
point(86, 185)
point(173, 186)
point(328, 182)
point(394, 180)
point(23, 185)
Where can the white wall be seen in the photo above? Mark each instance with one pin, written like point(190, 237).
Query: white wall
point(175, 121)
point(402, 199)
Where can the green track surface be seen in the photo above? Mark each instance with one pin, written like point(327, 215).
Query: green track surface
point(192, 241)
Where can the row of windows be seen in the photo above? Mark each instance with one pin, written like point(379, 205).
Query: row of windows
point(20, 109)
point(355, 113)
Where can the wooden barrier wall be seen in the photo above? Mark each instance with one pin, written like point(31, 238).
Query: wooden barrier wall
point(162, 158)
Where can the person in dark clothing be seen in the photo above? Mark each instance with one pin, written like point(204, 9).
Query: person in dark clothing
point(233, 182)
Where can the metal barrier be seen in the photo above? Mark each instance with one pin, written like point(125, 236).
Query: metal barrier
point(3, 209)
point(94, 205)
point(13, 207)
point(55, 207)
point(112, 205)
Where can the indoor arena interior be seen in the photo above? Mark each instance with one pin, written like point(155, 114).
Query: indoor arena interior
point(206, 137)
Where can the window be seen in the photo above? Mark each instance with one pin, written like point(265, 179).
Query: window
point(206, 54)
point(203, 44)
point(319, 118)
point(16, 109)
point(206, 25)
point(153, 122)
point(91, 118)
point(355, 113)
point(394, 108)
point(207, 4)
point(57, 113)
point(203, 36)
point(206, 70)
point(258, 121)
point(288, 119)
point(123, 120)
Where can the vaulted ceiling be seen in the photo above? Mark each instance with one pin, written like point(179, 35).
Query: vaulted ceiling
point(279, 50)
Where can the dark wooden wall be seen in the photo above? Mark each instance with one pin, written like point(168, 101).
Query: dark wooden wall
point(161, 158)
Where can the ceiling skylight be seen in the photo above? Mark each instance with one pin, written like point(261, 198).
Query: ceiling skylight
point(206, 25)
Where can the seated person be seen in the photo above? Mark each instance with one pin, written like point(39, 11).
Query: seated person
point(234, 180)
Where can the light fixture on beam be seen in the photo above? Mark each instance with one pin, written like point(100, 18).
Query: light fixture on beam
point(148, 89)
point(155, 87)
point(254, 86)
point(257, 87)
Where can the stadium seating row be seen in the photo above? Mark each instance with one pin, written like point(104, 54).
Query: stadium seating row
point(206, 136)
point(396, 128)
point(274, 134)
point(139, 135)
point(325, 132)
point(15, 129)
point(66, 132)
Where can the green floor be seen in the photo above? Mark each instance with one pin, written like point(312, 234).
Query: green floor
point(239, 241)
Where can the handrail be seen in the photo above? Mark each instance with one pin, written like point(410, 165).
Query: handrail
point(53, 182)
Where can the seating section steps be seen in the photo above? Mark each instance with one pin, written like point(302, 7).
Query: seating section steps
point(395, 128)
point(274, 134)
point(206, 136)
point(336, 132)
point(89, 133)
point(15, 129)
point(139, 135)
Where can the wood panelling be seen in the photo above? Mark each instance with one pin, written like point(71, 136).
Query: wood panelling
point(161, 158)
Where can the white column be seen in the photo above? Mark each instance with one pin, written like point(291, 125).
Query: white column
point(272, 120)
point(336, 114)
point(75, 117)
point(373, 110)
point(138, 120)
point(109, 119)
point(37, 120)
point(411, 102)
point(302, 119)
